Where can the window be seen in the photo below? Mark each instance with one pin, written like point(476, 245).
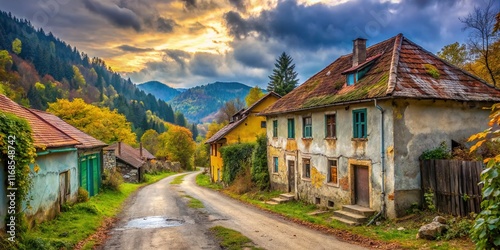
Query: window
point(275, 164)
point(350, 79)
point(263, 124)
point(291, 128)
point(330, 126)
point(307, 125)
point(359, 123)
point(306, 164)
point(332, 171)
point(275, 128)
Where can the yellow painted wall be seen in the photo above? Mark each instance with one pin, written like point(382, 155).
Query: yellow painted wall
point(247, 131)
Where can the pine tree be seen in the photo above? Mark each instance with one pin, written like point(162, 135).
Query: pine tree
point(284, 78)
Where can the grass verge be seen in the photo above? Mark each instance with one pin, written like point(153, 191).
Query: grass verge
point(193, 202)
point(231, 239)
point(178, 179)
point(79, 221)
point(204, 181)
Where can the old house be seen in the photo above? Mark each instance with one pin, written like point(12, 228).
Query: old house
point(90, 153)
point(55, 178)
point(352, 134)
point(244, 126)
point(129, 161)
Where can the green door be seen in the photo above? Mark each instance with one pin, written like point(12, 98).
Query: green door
point(94, 168)
point(84, 173)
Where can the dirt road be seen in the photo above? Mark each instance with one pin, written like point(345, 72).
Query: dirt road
point(157, 217)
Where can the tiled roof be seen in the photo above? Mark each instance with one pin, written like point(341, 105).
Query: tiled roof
point(86, 140)
point(127, 153)
point(44, 134)
point(244, 114)
point(400, 69)
point(146, 154)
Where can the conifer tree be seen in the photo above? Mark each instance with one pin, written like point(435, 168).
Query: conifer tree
point(284, 78)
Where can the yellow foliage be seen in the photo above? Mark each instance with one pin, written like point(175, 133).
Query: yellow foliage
point(317, 178)
point(254, 95)
point(177, 145)
point(101, 123)
point(213, 128)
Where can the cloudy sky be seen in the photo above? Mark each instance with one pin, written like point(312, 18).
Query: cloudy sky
point(184, 43)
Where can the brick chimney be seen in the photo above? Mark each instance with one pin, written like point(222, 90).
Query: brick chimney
point(358, 51)
point(119, 148)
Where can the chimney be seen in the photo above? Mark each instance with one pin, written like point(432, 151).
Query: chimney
point(119, 148)
point(358, 51)
point(140, 149)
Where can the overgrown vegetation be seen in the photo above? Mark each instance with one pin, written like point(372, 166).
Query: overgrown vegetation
point(112, 179)
point(260, 172)
point(231, 239)
point(204, 181)
point(178, 179)
point(17, 151)
point(432, 70)
point(235, 158)
point(440, 152)
point(193, 202)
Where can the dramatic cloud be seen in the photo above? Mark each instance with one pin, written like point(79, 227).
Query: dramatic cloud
point(239, 4)
point(121, 17)
point(166, 25)
point(128, 48)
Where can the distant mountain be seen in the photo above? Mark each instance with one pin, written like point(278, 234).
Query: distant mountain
point(181, 89)
point(202, 101)
point(160, 90)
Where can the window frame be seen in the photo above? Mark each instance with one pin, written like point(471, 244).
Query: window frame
point(306, 171)
point(291, 128)
point(275, 128)
point(360, 128)
point(263, 124)
point(334, 130)
point(275, 164)
point(329, 179)
point(305, 127)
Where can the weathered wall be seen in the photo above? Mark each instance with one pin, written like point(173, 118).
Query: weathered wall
point(45, 190)
point(216, 165)
point(423, 125)
point(319, 150)
point(109, 160)
point(129, 173)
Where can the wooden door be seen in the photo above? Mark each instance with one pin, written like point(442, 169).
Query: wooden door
point(361, 186)
point(291, 176)
point(84, 173)
point(63, 187)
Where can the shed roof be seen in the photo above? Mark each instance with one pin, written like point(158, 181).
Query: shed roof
point(45, 135)
point(127, 154)
point(86, 140)
point(400, 69)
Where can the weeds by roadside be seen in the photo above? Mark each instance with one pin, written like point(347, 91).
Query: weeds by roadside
point(178, 179)
point(231, 239)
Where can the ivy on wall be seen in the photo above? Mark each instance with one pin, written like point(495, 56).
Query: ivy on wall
point(17, 151)
point(235, 157)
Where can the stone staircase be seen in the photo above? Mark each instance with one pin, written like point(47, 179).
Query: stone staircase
point(281, 199)
point(353, 215)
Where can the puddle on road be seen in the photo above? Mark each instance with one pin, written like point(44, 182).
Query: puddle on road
point(154, 222)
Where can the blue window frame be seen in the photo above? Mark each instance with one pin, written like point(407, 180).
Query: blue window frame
point(275, 128)
point(307, 125)
point(359, 123)
point(275, 164)
point(350, 79)
point(291, 128)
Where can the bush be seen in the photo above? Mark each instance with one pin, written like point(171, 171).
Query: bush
point(83, 195)
point(440, 152)
point(235, 157)
point(260, 171)
point(112, 180)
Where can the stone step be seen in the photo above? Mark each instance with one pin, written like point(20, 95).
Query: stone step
point(290, 196)
point(280, 200)
point(346, 221)
point(350, 216)
point(356, 209)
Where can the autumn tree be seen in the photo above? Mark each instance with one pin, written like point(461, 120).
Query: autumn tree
point(229, 108)
point(202, 154)
point(150, 141)
point(213, 128)
point(284, 78)
point(17, 46)
point(253, 96)
point(78, 79)
point(101, 123)
point(455, 53)
point(177, 145)
point(481, 23)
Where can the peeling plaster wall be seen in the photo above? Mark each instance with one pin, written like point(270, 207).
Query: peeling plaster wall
point(45, 191)
point(319, 150)
point(423, 125)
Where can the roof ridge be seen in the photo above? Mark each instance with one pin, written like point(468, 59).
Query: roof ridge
point(393, 70)
point(450, 64)
point(50, 124)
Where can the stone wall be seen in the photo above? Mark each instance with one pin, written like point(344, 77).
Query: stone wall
point(109, 160)
point(154, 166)
point(129, 173)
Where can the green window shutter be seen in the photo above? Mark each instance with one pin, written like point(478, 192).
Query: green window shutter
point(83, 173)
point(359, 123)
point(291, 128)
point(275, 128)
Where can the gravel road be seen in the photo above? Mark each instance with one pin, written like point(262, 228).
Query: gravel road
point(157, 217)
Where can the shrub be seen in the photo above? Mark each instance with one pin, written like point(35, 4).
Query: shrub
point(440, 152)
point(235, 157)
point(83, 195)
point(432, 70)
point(260, 171)
point(112, 180)
point(243, 181)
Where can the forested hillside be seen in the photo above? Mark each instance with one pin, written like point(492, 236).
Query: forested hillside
point(160, 90)
point(36, 68)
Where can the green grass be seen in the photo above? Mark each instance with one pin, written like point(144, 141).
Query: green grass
point(193, 202)
point(204, 181)
point(81, 220)
point(231, 239)
point(178, 179)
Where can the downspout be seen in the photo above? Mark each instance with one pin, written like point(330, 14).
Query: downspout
point(382, 163)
